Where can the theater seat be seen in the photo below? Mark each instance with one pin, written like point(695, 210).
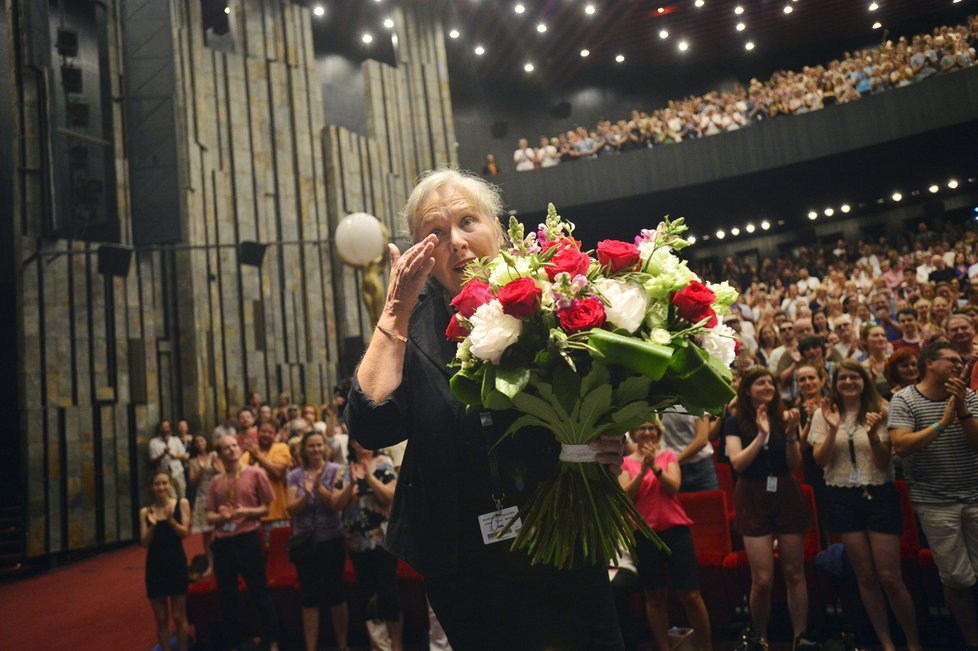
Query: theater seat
point(910, 563)
point(711, 536)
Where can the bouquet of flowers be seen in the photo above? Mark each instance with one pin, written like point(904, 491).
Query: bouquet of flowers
point(586, 345)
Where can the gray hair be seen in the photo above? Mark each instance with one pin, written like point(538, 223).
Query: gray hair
point(486, 198)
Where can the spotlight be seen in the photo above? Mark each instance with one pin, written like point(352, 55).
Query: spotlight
point(934, 189)
point(319, 11)
point(367, 39)
point(873, 7)
point(663, 33)
point(589, 10)
point(453, 34)
point(661, 10)
point(227, 10)
point(877, 25)
point(519, 8)
point(541, 28)
point(528, 67)
point(721, 234)
point(828, 212)
point(741, 27)
point(765, 225)
point(698, 3)
point(812, 215)
point(691, 239)
point(683, 46)
point(585, 52)
point(749, 228)
point(389, 23)
point(788, 9)
point(953, 184)
point(735, 231)
point(620, 58)
point(896, 196)
point(738, 10)
point(845, 208)
point(479, 50)
point(749, 45)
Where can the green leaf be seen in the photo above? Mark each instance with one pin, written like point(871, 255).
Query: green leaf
point(594, 406)
point(546, 392)
point(567, 387)
point(638, 409)
point(526, 420)
point(488, 383)
point(641, 356)
point(511, 381)
point(538, 407)
point(632, 388)
point(598, 376)
point(466, 389)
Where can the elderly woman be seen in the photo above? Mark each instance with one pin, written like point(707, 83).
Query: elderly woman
point(454, 476)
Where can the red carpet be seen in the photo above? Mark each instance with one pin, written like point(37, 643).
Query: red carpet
point(96, 605)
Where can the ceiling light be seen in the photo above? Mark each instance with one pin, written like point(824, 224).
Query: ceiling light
point(479, 50)
point(367, 38)
point(721, 234)
point(788, 9)
point(698, 3)
point(541, 28)
point(828, 212)
point(741, 27)
point(227, 10)
point(896, 196)
point(683, 46)
point(661, 10)
point(663, 33)
point(692, 238)
point(812, 215)
point(735, 231)
point(528, 67)
point(519, 8)
point(589, 10)
point(585, 52)
point(877, 25)
point(873, 7)
point(934, 189)
point(765, 225)
point(620, 58)
point(389, 23)
point(749, 45)
point(749, 228)
point(453, 34)
point(953, 184)
point(845, 208)
point(738, 10)
point(319, 11)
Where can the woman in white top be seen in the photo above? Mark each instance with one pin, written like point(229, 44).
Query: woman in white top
point(524, 157)
point(852, 446)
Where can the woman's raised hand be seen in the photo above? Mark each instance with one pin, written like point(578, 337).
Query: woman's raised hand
point(873, 420)
point(830, 412)
point(791, 419)
point(763, 421)
point(409, 271)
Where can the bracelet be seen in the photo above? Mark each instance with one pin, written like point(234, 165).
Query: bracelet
point(874, 441)
point(657, 471)
point(392, 333)
point(937, 426)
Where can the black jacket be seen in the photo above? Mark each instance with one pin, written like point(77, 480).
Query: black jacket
point(444, 482)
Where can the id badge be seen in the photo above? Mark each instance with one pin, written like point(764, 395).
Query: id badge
point(854, 476)
point(772, 484)
point(229, 527)
point(495, 521)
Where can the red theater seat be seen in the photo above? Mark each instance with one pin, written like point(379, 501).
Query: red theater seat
point(711, 535)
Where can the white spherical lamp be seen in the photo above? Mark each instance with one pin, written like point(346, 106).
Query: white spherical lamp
point(360, 239)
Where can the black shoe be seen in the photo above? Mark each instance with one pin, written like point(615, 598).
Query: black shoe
point(806, 642)
point(750, 642)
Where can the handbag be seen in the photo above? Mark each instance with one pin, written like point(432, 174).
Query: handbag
point(301, 545)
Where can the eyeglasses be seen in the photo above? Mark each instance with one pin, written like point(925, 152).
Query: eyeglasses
point(647, 428)
point(953, 360)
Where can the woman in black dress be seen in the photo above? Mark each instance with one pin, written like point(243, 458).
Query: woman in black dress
point(162, 527)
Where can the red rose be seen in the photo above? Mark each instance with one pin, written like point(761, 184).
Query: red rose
point(582, 315)
point(474, 293)
point(570, 259)
point(737, 346)
point(455, 330)
point(617, 254)
point(694, 303)
point(520, 298)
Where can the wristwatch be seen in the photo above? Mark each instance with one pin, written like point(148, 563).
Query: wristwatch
point(657, 471)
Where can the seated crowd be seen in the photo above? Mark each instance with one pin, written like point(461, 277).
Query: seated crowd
point(857, 74)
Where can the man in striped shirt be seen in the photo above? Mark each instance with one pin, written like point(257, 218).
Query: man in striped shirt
point(933, 428)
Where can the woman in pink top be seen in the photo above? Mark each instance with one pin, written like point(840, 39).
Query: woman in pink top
point(651, 477)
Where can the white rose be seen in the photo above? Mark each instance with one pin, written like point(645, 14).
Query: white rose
point(726, 295)
point(503, 273)
point(493, 331)
point(645, 248)
point(627, 303)
point(720, 343)
point(660, 336)
point(662, 262)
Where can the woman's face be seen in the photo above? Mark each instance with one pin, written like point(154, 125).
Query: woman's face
point(809, 383)
point(463, 233)
point(940, 308)
point(762, 391)
point(907, 371)
point(645, 433)
point(849, 384)
point(315, 448)
point(161, 486)
point(200, 443)
point(876, 339)
point(923, 310)
point(309, 415)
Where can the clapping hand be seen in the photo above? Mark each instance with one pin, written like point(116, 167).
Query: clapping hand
point(791, 419)
point(150, 518)
point(310, 480)
point(830, 412)
point(226, 512)
point(956, 387)
point(873, 420)
point(167, 512)
point(763, 422)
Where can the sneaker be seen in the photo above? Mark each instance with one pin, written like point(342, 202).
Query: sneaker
point(750, 642)
point(806, 642)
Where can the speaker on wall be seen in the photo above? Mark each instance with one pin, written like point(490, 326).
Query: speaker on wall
point(251, 253)
point(114, 260)
point(561, 110)
point(499, 129)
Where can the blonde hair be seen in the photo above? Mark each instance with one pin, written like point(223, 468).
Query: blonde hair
point(486, 198)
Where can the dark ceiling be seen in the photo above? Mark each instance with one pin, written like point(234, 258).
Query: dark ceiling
point(632, 27)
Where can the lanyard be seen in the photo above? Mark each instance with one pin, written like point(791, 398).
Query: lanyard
point(495, 479)
point(232, 488)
